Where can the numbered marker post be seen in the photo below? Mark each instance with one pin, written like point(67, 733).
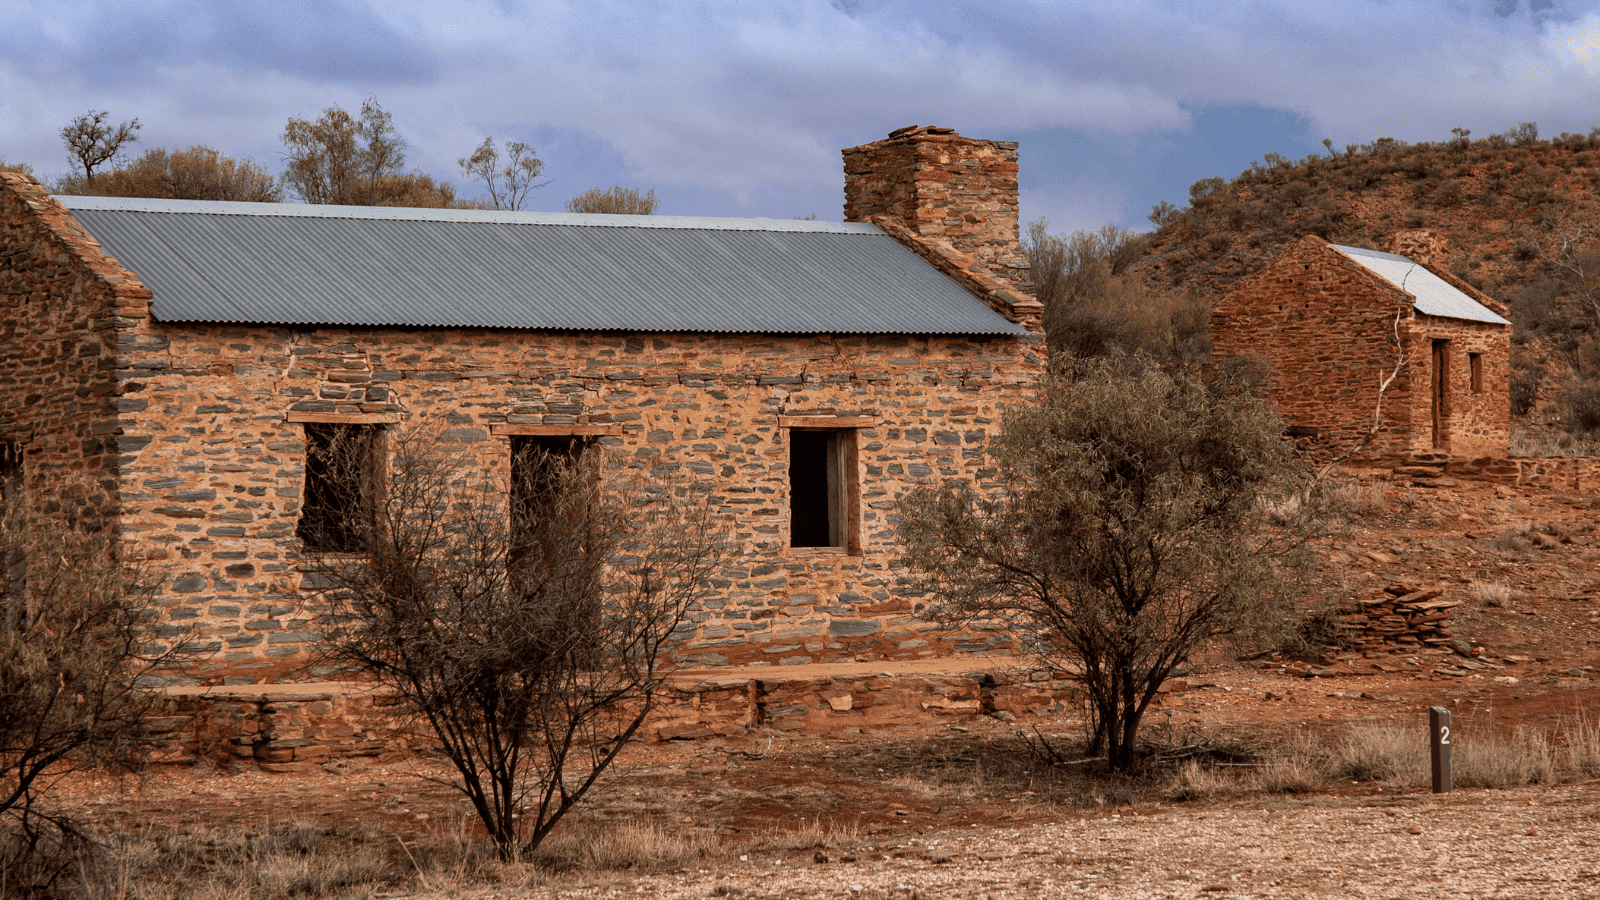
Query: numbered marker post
point(1439, 723)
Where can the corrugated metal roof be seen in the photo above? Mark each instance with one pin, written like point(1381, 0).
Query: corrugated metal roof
point(1435, 296)
point(268, 263)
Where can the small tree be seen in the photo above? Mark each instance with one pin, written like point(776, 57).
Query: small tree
point(522, 624)
point(355, 161)
point(615, 200)
point(508, 185)
point(75, 642)
point(92, 142)
point(1142, 516)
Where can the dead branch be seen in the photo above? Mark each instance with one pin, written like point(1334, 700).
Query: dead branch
point(1384, 382)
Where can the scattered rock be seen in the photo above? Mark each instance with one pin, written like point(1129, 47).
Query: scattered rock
point(1413, 830)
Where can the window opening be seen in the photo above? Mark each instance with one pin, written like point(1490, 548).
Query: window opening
point(343, 475)
point(10, 471)
point(821, 482)
point(1475, 363)
point(14, 567)
point(537, 463)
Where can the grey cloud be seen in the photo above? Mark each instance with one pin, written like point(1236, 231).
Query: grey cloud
point(325, 40)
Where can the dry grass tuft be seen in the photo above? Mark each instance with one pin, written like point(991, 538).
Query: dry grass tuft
point(1301, 769)
point(1383, 752)
point(637, 844)
point(812, 835)
point(1494, 593)
point(1580, 745)
point(1550, 442)
point(1503, 759)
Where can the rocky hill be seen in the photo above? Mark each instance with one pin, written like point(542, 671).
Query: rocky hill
point(1503, 203)
point(1519, 212)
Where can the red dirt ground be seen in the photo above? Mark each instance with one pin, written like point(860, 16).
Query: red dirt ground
point(1540, 652)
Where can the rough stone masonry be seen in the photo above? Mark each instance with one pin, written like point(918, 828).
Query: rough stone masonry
point(192, 437)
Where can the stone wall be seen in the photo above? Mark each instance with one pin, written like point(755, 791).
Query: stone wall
point(1325, 326)
point(288, 729)
point(212, 496)
point(1574, 474)
point(59, 396)
point(943, 187)
point(1475, 422)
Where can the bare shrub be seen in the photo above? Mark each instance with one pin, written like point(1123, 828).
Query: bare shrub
point(1580, 409)
point(522, 624)
point(1547, 442)
point(198, 173)
point(615, 200)
point(75, 643)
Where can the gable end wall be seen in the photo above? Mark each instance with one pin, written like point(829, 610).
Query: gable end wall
point(1325, 327)
point(66, 305)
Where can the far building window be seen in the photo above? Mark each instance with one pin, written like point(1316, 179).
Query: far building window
point(822, 488)
point(1475, 364)
point(343, 480)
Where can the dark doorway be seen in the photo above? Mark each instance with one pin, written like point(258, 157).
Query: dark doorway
point(1441, 393)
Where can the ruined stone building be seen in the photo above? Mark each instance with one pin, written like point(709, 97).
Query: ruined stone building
point(186, 354)
point(1330, 321)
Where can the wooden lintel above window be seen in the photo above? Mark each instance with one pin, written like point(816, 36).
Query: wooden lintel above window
point(827, 421)
point(338, 418)
point(555, 430)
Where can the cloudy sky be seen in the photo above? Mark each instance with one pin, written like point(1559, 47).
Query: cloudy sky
point(740, 107)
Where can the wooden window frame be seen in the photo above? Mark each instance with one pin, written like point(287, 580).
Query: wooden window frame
point(842, 466)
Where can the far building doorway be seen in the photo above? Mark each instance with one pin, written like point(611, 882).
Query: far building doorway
point(1441, 393)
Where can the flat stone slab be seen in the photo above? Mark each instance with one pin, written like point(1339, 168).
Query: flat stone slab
point(966, 665)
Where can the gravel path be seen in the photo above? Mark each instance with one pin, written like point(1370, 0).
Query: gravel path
point(1523, 843)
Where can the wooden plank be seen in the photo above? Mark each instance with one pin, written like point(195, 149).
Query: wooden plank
point(827, 421)
point(335, 418)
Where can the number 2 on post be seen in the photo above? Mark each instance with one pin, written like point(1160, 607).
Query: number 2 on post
point(1444, 734)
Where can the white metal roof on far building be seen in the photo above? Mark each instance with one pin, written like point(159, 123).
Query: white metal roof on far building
point(1435, 296)
point(292, 264)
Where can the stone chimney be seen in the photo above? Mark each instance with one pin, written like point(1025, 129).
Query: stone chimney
point(1419, 246)
point(942, 187)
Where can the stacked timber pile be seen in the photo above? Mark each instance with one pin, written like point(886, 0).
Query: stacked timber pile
point(1403, 616)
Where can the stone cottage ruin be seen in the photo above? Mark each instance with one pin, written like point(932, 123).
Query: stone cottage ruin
point(187, 355)
point(1330, 321)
